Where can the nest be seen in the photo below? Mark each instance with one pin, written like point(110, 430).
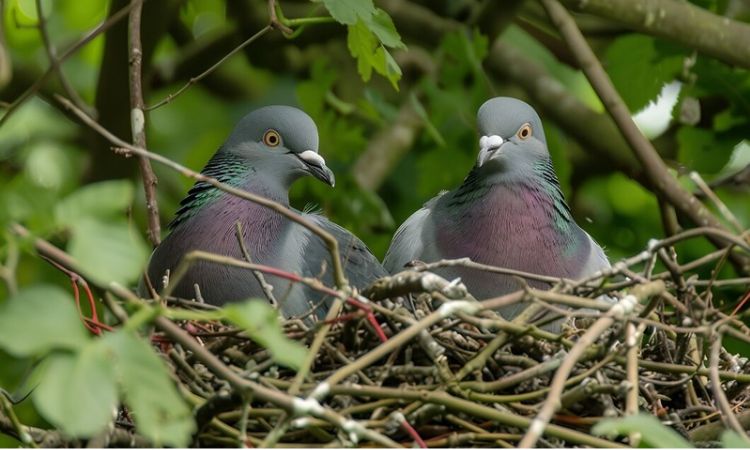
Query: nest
point(422, 363)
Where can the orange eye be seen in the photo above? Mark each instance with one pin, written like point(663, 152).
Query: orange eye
point(272, 138)
point(524, 132)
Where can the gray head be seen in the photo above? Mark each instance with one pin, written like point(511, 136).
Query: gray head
point(280, 139)
point(511, 137)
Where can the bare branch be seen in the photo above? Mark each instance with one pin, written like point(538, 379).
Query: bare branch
point(679, 21)
point(55, 63)
point(138, 121)
point(88, 37)
point(267, 288)
point(208, 71)
point(653, 166)
point(727, 415)
point(623, 308)
point(386, 148)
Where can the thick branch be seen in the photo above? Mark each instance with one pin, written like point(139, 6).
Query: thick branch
point(680, 21)
point(664, 183)
point(387, 148)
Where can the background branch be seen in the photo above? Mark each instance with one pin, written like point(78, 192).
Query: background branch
point(679, 21)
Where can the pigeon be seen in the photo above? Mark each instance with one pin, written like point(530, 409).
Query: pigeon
point(266, 152)
point(508, 212)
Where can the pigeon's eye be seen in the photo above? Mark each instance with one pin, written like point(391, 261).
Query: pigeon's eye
point(272, 138)
point(524, 132)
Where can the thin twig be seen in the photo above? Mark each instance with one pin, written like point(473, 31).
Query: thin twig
point(208, 71)
point(70, 51)
point(623, 308)
point(708, 192)
point(267, 288)
point(138, 121)
point(632, 341)
point(55, 63)
point(720, 398)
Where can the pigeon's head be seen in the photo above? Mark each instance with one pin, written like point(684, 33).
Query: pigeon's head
point(281, 140)
point(511, 137)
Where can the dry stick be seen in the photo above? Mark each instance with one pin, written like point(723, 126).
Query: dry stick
point(88, 37)
point(267, 288)
point(655, 245)
point(208, 71)
point(251, 390)
point(652, 164)
point(52, 56)
point(278, 432)
point(473, 409)
point(330, 241)
point(708, 192)
point(621, 309)
point(138, 121)
point(468, 263)
point(632, 341)
point(727, 415)
point(480, 360)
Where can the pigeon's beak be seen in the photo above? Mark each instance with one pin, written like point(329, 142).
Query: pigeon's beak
point(488, 145)
point(317, 166)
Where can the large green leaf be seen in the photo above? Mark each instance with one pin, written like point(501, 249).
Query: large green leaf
point(362, 44)
point(107, 251)
point(261, 323)
point(160, 413)
point(382, 26)
point(349, 12)
point(77, 392)
point(103, 200)
point(368, 37)
point(731, 439)
point(653, 433)
point(639, 68)
point(39, 319)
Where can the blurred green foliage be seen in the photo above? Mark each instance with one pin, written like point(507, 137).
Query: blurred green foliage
point(48, 165)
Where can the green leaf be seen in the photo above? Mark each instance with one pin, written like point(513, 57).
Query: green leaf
point(104, 200)
point(361, 43)
point(261, 323)
point(731, 439)
point(107, 251)
point(382, 26)
point(389, 68)
point(370, 54)
point(39, 319)
point(653, 433)
point(160, 413)
point(349, 12)
point(704, 150)
point(77, 392)
point(641, 82)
